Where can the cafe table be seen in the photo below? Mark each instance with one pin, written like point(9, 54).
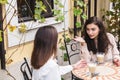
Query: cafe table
point(106, 71)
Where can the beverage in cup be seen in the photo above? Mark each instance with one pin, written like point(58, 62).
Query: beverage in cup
point(100, 58)
point(92, 67)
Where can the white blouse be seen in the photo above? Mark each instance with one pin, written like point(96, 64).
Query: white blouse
point(112, 51)
point(50, 71)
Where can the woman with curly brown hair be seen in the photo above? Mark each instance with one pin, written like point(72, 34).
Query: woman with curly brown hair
point(96, 39)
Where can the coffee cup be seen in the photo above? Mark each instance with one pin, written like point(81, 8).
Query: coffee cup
point(92, 67)
point(100, 58)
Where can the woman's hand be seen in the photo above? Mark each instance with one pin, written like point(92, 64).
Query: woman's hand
point(80, 64)
point(116, 62)
point(81, 40)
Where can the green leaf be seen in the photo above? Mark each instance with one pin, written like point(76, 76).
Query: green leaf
point(80, 3)
point(36, 16)
point(39, 8)
point(62, 78)
point(65, 57)
point(38, 11)
point(42, 19)
point(60, 18)
point(78, 24)
point(60, 5)
point(77, 11)
point(62, 47)
point(84, 16)
point(56, 2)
point(0, 35)
point(3, 1)
point(43, 8)
point(22, 28)
point(57, 12)
point(68, 40)
point(0, 39)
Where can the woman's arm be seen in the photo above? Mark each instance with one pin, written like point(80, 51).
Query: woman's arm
point(84, 53)
point(115, 51)
point(65, 69)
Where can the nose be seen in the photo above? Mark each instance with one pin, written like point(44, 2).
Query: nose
point(89, 32)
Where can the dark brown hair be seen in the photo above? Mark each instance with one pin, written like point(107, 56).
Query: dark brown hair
point(103, 41)
point(45, 45)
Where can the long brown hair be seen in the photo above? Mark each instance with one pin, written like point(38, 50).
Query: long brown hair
point(45, 45)
point(103, 41)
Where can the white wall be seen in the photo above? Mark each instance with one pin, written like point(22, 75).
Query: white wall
point(16, 38)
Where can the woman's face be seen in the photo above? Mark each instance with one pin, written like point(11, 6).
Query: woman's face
point(92, 30)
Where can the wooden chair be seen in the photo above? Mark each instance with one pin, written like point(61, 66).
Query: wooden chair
point(26, 70)
point(73, 54)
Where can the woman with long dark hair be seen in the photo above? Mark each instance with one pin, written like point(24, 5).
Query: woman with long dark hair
point(43, 59)
point(96, 39)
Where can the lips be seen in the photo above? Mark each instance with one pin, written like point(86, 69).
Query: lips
point(91, 36)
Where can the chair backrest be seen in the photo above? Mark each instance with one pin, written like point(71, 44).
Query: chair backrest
point(72, 50)
point(26, 70)
point(118, 45)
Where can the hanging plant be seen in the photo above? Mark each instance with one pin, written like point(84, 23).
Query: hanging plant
point(79, 11)
point(58, 12)
point(62, 46)
point(39, 8)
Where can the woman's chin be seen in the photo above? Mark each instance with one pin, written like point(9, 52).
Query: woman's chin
point(92, 37)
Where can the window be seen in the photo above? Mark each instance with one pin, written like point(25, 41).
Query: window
point(26, 9)
point(49, 13)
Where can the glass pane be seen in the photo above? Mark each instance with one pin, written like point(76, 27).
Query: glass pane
point(25, 12)
point(48, 4)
